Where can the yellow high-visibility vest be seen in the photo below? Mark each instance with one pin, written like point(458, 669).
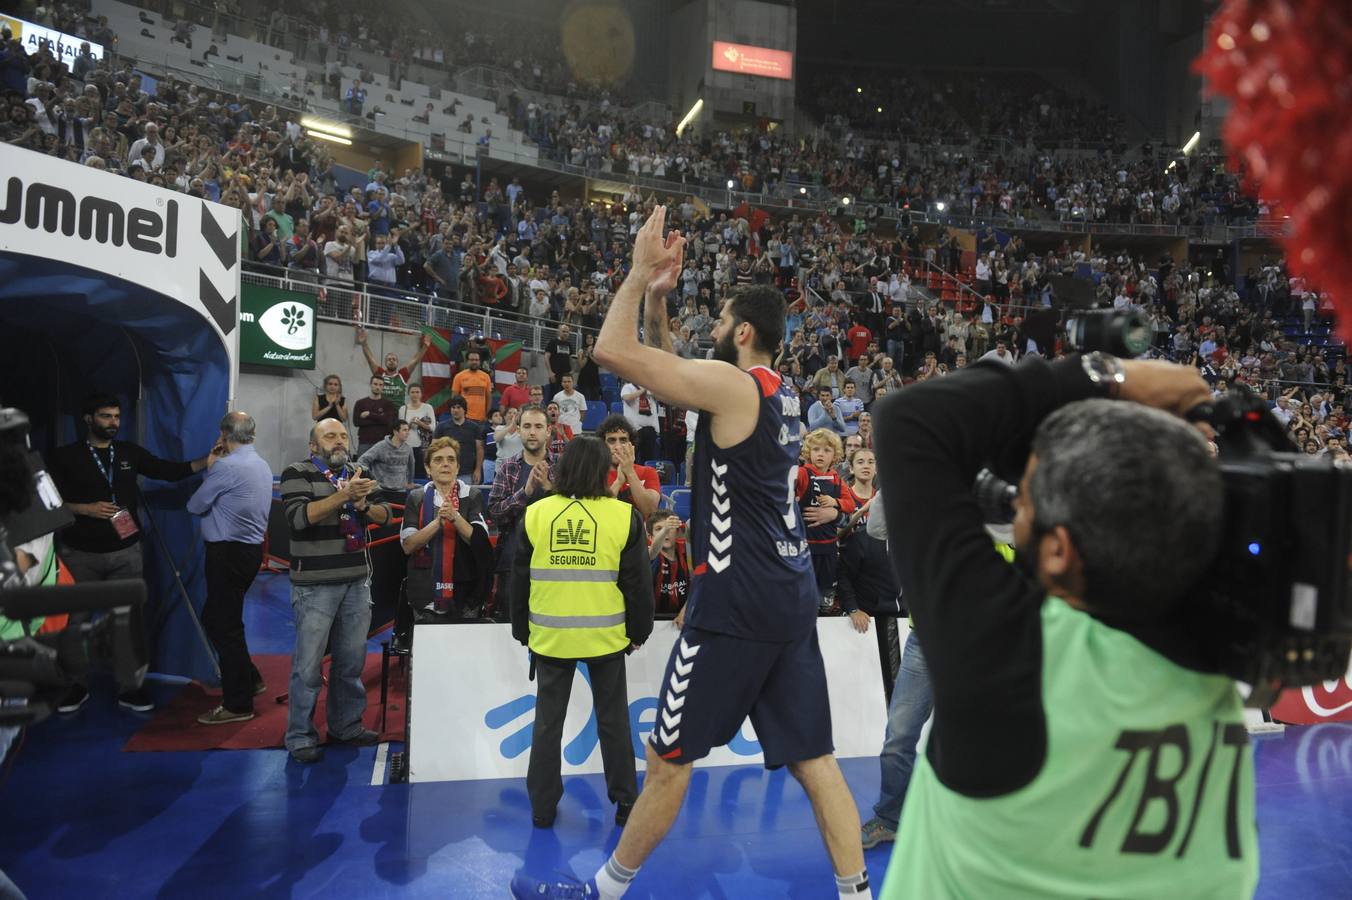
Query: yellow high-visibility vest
point(576, 608)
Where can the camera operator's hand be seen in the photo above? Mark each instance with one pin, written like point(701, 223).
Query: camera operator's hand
point(1173, 388)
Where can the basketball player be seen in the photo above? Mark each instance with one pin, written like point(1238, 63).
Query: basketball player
point(749, 645)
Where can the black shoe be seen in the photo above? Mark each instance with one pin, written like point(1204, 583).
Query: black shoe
point(622, 811)
point(259, 687)
point(543, 821)
point(139, 700)
point(74, 698)
point(362, 738)
point(307, 755)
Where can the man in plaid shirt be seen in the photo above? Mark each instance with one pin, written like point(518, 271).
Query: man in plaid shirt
point(517, 483)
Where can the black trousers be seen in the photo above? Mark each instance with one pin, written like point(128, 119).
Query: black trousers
point(231, 568)
point(610, 697)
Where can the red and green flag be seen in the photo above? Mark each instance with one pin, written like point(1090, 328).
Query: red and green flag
point(437, 368)
point(506, 360)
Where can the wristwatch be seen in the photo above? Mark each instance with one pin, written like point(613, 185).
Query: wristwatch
point(1106, 372)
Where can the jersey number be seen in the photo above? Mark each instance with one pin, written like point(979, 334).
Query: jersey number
point(791, 510)
point(1162, 788)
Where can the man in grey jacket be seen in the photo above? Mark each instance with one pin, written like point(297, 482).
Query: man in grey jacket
point(390, 462)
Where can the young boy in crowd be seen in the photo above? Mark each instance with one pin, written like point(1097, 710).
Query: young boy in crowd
point(668, 550)
point(824, 500)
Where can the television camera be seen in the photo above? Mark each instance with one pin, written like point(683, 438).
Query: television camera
point(1274, 608)
point(36, 668)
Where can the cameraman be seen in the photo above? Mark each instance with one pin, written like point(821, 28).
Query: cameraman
point(1072, 747)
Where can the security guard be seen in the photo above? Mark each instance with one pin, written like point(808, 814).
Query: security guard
point(582, 591)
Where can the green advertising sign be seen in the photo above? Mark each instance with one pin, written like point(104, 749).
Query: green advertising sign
point(277, 328)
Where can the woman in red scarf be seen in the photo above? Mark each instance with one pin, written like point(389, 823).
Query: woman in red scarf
point(451, 567)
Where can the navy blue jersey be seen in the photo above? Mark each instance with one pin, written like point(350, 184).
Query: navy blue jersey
point(753, 572)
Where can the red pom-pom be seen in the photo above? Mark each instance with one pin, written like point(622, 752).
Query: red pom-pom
point(1286, 66)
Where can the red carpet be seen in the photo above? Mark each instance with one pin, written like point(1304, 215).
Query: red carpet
point(175, 726)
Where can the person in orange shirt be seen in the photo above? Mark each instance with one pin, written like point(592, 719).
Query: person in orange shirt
point(476, 386)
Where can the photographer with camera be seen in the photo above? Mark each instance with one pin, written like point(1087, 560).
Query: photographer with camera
point(97, 478)
point(1072, 744)
point(328, 506)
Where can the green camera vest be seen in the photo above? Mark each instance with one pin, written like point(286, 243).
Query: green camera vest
point(1147, 788)
point(576, 608)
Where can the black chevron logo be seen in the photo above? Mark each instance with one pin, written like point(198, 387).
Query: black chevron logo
point(225, 246)
point(221, 309)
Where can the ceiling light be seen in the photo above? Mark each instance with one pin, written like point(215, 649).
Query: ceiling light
point(333, 128)
point(690, 116)
point(331, 137)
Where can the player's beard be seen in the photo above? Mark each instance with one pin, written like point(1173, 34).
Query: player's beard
point(725, 349)
point(104, 432)
point(336, 458)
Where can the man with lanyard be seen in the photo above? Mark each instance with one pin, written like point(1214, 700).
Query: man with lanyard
point(395, 376)
point(97, 478)
point(328, 508)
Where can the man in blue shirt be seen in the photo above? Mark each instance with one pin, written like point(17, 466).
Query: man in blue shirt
point(849, 406)
point(825, 413)
point(234, 501)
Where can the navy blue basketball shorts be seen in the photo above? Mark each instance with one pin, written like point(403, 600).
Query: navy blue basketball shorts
point(714, 681)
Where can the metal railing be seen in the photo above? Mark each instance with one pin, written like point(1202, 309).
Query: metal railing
point(408, 311)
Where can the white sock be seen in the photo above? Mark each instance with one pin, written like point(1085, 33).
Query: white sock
point(854, 887)
point(613, 879)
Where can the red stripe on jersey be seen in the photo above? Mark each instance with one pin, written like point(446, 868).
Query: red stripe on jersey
point(769, 381)
point(700, 569)
point(672, 755)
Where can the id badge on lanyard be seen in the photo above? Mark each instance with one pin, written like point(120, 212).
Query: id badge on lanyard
point(122, 521)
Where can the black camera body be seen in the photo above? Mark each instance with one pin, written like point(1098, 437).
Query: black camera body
point(35, 669)
point(1275, 606)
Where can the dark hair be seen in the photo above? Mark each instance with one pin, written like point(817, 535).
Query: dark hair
point(1156, 474)
point(532, 408)
point(615, 423)
point(100, 400)
point(398, 423)
point(583, 468)
point(459, 401)
point(763, 309)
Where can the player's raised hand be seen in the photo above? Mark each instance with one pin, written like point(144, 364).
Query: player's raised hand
point(651, 251)
point(664, 279)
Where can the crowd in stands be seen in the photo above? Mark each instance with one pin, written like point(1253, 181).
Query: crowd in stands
point(860, 323)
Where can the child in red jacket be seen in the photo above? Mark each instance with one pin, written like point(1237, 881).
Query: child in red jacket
point(825, 501)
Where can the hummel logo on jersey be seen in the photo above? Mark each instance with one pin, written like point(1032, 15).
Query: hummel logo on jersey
point(720, 521)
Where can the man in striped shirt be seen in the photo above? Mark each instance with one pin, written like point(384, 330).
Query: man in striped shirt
point(328, 505)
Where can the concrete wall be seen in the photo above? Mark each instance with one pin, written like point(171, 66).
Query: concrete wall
point(757, 25)
point(694, 27)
